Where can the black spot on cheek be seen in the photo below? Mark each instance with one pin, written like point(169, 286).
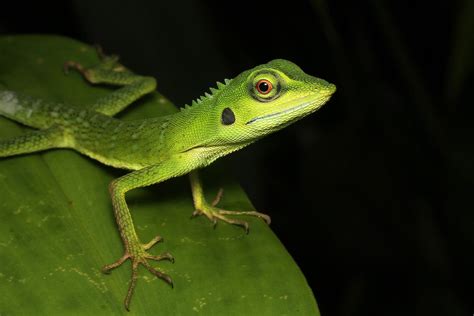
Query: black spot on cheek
point(227, 117)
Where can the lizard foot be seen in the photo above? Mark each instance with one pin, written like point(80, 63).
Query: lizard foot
point(214, 213)
point(138, 255)
point(94, 74)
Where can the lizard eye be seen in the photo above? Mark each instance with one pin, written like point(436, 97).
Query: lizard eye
point(264, 86)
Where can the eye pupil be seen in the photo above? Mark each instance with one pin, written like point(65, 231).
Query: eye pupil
point(264, 86)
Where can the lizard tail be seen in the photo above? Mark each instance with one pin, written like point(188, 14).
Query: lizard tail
point(27, 110)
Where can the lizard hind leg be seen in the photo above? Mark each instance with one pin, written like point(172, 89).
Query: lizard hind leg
point(101, 72)
point(213, 213)
point(110, 71)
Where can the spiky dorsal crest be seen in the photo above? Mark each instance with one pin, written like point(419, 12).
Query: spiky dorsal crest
point(207, 95)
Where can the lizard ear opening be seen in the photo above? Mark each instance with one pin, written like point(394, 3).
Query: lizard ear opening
point(227, 117)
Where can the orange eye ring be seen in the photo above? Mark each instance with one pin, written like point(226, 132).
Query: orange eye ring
point(264, 86)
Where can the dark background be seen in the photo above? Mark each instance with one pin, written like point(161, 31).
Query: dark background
point(372, 195)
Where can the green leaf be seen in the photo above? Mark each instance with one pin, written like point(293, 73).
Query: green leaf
point(57, 227)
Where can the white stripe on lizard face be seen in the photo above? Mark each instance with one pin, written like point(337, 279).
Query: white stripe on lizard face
point(287, 111)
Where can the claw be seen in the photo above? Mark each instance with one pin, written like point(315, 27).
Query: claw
point(218, 197)
point(138, 255)
point(86, 73)
point(109, 267)
point(214, 214)
point(196, 213)
point(247, 228)
point(152, 242)
point(131, 287)
point(265, 217)
point(72, 64)
point(163, 256)
point(160, 274)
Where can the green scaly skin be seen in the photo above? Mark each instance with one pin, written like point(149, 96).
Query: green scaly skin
point(256, 103)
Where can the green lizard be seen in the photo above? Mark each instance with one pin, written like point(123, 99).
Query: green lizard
point(256, 103)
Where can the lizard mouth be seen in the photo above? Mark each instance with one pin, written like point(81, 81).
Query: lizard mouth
point(318, 102)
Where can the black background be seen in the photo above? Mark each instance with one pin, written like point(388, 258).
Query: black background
point(372, 195)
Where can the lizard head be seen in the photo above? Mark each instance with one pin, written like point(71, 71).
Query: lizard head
point(265, 99)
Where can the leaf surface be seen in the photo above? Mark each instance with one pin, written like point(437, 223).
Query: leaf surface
point(57, 227)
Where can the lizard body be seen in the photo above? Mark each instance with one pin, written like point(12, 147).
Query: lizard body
point(235, 114)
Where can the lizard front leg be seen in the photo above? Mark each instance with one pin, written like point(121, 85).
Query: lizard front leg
point(213, 213)
point(134, 249)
